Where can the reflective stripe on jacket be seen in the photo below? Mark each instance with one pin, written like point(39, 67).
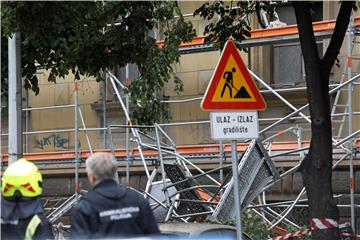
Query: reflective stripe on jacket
point(32, 226)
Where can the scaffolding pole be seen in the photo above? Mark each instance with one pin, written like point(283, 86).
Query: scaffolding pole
point(222, 159)
point(104, 110)
point(27, 117)
point(85, 131)
point(1, 159)
point(133, 131)
point(76, 137)
point(127, 130)
point(350, 118)
point(1, 106)
point(163, 176)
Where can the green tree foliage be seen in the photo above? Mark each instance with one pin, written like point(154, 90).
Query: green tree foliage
point(4, 70)
point(88, 37)
point(253, 225)
point(232, 19)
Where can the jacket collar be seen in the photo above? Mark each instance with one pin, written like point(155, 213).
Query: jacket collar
point(110, 189)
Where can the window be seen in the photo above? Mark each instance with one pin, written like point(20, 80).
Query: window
point(287, 64)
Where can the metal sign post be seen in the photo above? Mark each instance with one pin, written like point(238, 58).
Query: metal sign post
point(235, 97)
point(236, 188)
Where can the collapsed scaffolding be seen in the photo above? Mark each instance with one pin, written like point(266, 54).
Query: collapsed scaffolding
point(179, 190)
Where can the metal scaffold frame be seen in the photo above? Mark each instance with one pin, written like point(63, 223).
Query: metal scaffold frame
point(277, 217)
point(179, 178)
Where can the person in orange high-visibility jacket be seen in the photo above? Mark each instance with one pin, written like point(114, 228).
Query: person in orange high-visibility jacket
point(22, 214)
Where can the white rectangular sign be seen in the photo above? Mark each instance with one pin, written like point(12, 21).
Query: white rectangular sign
point(234, 125)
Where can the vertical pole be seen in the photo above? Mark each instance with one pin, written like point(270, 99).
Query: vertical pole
point(85, 131)
point(104, 109)
point(127, 129)
point(27, 113)
point(76, 126)
point(111, 142)
point(221, 177)
point(104, 95)
point(350, 110)
point(1, 160)
point(162, 166)
point(15, 108)
point(236, 188)
point(299, 139)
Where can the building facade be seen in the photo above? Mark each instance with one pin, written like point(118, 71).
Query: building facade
point(277, 62)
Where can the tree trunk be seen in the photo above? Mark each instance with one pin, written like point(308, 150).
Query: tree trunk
point(316, 168)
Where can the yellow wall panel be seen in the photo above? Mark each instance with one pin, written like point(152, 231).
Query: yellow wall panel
point(203, 115)
point(204, 133)
point(83, 140)
point(207, 60)
point(176, 67)
point(61, 92)
point(190, 80)
point(190, 62)
point(35, 120)
point(48, 120)
point(189, 6)
point(90, 117)
point(183, 135)
point(175, 111)
point(204, 79)
point(169, 88)
point(88, 91)
point(71, 143)
point(44, 98)
point(42, 76)
point(67, 116)
point(69, 79)
point(189, 111)
point(51, 119)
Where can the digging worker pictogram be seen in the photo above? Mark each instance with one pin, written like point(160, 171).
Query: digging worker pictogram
point(110, 210)
point(229, 80)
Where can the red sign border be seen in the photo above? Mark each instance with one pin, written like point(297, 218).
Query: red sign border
point(207, 104)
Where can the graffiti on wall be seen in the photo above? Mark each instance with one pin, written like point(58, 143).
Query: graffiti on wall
point(54, 140)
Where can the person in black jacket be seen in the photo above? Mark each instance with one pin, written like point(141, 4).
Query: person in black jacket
point(110, 210)
point(22, 214)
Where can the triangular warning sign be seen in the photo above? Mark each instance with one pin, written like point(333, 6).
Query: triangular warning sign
point(231, 86)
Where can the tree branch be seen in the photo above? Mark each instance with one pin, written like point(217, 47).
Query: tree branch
point(337, 38)
point(306, 32)
point(308, 44)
